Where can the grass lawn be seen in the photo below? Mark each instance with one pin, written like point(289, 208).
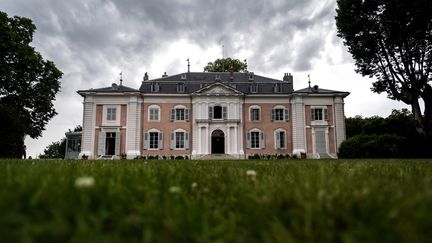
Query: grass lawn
point(203, 201)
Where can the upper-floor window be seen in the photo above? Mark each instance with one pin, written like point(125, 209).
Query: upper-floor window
point(255, 139)
point(111, 114)
point(280, 139)
point(319, 114)
point(154, 113)
point(279, 113)
point(179, 113)
point(154, 87)
point(180, 88)
point(253, 88)
point(153, 139)
point(277, 88)
point(255, 113)
point(217, 112)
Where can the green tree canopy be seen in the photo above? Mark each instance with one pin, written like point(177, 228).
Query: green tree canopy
point(28, 83)
point(225, 65)
point(392, 40)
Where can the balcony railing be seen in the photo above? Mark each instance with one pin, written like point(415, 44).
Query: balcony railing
point(217, 120)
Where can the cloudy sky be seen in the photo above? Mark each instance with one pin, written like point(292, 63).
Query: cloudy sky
point(91, 41)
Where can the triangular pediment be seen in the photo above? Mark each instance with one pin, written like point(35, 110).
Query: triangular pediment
point(217, 89)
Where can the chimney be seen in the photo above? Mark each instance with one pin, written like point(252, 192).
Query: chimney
point(288, 77)
point(164, 75)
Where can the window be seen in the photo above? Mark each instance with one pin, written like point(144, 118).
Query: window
point(179, 114)
point(255, 114)
point(280, 114)
point(153, 113)
point(277, 88)
point(280, 139)
point(179, 139)
point(319, 114)
point(181, 88)
point(217, 112)
point(255, 139)
point(111, 114)
point(254, 88)
point(153, 139)
point(154, 87)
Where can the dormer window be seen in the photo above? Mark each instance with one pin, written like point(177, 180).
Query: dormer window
point(154, 87)
point(251, 76)
point(277, 88)
point(180, 88)
point(217, 77)
point(254, 88)
point(202, 85)
point(183, 77)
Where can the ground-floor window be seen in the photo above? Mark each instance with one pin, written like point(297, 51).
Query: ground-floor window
point(280, 140)
point(153, 139)
point(255, 139)
point(179, 139)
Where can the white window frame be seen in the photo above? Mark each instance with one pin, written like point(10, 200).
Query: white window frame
point(252, 107)
point(154, 87)
point(186, 113)
point(159, 140)
point(224, 112)
point(324, 115)
point(261, 139)
point(181, 88)
point(285, 113)
point(153, 107)
point(275, 140)
point(105, 121)
point(253, 88)
point(173, 139)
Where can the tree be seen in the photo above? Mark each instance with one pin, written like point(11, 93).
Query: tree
point(392, 40)
point(28, 83)
point(225, 65)
point(57, 150)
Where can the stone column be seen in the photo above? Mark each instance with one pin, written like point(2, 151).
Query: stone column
point(339, 117)
point(88, 131)
point(298, 125)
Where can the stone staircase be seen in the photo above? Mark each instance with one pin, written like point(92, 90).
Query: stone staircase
point(325, 156)
point(216, 157)
point(107, 157)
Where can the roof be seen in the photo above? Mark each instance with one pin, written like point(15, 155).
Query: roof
point(114, 88)
point(194, 81)
point(317, 90)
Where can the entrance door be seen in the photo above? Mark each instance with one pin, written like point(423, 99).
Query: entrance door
point(218, 142)
point(320, 142)
point(110, 143)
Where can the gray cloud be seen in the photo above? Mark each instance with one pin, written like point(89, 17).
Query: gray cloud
point(91, 41)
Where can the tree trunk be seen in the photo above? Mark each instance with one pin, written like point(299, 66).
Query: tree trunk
point(418, 117)
point(427, 118)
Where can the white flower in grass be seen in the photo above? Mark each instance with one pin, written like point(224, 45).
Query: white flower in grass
point(194, 185)
point(174, 189)
point(251, 174)
point(84, 181)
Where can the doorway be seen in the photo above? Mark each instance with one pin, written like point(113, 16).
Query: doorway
point(217, 142)
point(320, 142)
point(110, 143)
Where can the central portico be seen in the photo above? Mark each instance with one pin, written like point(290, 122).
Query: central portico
point(217, 124)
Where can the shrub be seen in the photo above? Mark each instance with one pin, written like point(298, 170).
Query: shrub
point(373, 146)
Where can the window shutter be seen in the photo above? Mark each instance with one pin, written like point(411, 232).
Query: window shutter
point(325, 115)
point(117, 143)
point(210, 112)
point(273, 115)
point(146, 140)
point(262, 141)
point(186, 114)
point(101, 143)
point(248, 140)
point(172, 140)
point(224, 112)
point(278, 145)
point(186, 135)
point(286, 114)
point(250, 115)
point(173, 114)
point(160, 145)
point(312, 114)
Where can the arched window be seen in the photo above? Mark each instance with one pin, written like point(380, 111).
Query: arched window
point(255, 139)
point(153, 139)
point(154, 113)
point(179, 139)
point(280, 140)
point(255, 113)
point(179, 113)
point(280, 113)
